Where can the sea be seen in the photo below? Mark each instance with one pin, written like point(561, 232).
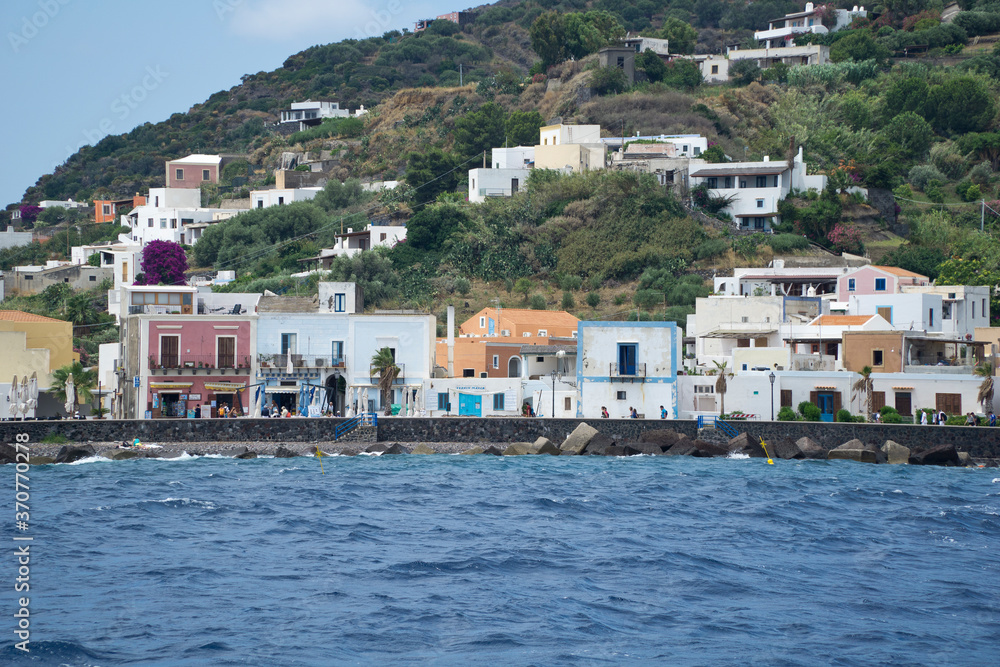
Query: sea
point(483, 560)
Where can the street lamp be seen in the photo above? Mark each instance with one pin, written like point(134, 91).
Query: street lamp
point(772, 378)
point(557, 372)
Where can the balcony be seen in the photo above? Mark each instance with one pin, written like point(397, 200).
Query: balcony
point(400, 379)
point(280, 361)
point(198, 364)
point(628, 373)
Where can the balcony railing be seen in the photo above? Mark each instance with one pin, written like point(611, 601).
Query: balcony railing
point(373, 374)
point(192, 363)
point(280, 361)
point(628, 373)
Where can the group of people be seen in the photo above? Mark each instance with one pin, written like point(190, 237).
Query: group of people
point(939, 418)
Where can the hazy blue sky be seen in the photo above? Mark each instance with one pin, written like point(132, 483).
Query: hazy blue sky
point(74, 71)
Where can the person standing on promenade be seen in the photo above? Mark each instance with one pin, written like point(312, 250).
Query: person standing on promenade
point(942, 418)
point(604, 413)
point(663, 412)
point(923, 418)
point(993, 419)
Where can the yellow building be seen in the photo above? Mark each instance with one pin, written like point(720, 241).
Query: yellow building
point(33, 343)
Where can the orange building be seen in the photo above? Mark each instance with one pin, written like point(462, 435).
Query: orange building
point(489, 343)
point(107, 210)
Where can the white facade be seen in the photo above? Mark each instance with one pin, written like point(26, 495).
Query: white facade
point(622, 365)
point(411, 337)
point(474, 397)
point(782, 31)
point(309, 110)
point(963, 309)
point(373, 236)
point(484, 183)
point(807, 54)
point(342, 298)
point(557, 135)
point(108, 362)
point(660, 47)
point(515, 157)
point(12, 239)
point(55, 203)
point(174, 198)
point(276, 197)
point(180, 225)
point(909, 312)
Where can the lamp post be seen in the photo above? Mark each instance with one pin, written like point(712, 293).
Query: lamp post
point(772, 378)
point(556, 373)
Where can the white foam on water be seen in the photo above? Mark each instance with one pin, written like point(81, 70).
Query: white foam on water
point(737, 455)
point(89, 459)
point(996, 480)
point(896, 491)
point(186, 501)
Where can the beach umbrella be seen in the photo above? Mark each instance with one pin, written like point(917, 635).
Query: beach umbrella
point(257, 400)
point(409, 402)
point(70, 395)
point(22, 398)
point(350, 402)
point(32, 402)
point(288, 366)
point(364, 400)
point(12, 399)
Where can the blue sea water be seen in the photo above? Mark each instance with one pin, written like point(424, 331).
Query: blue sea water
point(474, 560)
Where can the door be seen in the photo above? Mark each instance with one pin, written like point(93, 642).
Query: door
point(825, 403)
point(904, 403)
point(470, 406)
point(626, 358)
point(226, 352)
point(169, 347)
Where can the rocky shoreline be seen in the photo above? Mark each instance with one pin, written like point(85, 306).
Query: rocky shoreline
point(585, 440)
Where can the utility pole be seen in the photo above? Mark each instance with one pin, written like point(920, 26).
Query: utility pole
point(461, 75)
point(982, 214)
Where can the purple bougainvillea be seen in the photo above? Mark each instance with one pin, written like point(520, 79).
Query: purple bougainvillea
point(163, 263)
point(30, 213)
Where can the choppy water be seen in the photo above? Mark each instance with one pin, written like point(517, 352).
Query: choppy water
point(466, 560)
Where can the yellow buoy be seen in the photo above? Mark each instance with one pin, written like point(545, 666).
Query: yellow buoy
point(764, 445)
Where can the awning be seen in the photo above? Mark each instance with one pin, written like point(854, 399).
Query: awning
point(902, 388)
point(733, 333)
point(282, 390)
point(224, 386)
point(170, 385)
point(756, 215)
point(825, 387)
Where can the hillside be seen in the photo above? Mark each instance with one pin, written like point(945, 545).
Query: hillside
point(876, 117)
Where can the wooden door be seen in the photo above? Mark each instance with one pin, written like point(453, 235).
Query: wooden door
point(169, 347)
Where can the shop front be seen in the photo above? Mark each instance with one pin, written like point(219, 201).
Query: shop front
point(194, 398)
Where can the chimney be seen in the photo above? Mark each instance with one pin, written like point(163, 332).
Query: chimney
point(809, 6)
point(767, 158)
point(451, 341)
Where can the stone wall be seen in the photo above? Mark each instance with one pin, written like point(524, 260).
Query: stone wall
point(980, 442)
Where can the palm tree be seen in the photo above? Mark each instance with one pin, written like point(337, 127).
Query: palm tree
point(721, 385)
point(865, 386)
point(384, 365)
point(985, 396)
point(84, 379)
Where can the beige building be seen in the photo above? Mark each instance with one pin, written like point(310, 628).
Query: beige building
point(33, 343)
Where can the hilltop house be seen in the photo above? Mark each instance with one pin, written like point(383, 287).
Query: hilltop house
point(193, 170)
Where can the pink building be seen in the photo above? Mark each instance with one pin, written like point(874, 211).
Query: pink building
point(185, 353)
point(193, 170)
point(871, 280)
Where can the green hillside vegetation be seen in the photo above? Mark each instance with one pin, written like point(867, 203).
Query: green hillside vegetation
point(924, 126)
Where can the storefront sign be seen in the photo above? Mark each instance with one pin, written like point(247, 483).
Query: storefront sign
point(194, 397)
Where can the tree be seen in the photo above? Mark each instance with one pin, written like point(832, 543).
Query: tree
point(864, 386)
point(985, 395)
point(84, 380)
point(547, 38)
point(960, 105)
point(608, 80)
point(722, 384)
point(431, 227)
point(683, 74)
point(682, 37)
point(556, 37)
point(522, 128)
point(523, 286)
point(919, 259)
point(80, 310)
point(906, 94)
point(336, 196)
point(384, 365)
point(480, 130)
point(744, 72)
point(652, 65)
point(431, 173)
point(163, 263)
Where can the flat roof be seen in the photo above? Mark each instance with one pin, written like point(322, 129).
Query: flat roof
point(736, 333)
point(737, 168)
point(198, 158)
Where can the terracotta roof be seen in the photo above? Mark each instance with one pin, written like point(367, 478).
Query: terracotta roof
point(840, 320)
point(895, 270)
point(528, 316)
point(21, 316)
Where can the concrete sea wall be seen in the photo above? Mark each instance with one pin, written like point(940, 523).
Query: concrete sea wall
point(980, 442)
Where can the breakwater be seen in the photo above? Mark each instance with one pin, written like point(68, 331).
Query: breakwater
point(980, 442)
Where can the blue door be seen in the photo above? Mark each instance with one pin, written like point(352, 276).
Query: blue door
point(825, 407)
point(626, 358)
point(470, 406)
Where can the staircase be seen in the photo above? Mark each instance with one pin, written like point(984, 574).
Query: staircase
point(363, 428)
point(715, 430)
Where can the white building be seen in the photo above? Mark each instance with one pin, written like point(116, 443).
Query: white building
point(624, 365)
point(280, 197)
point(310, 112)
point(12, 239)
point(351, 243)
point(514, 157)
point(410, 337)
point(781, 32)
point(474, 397)
point(964, 308)
point(56, 203)
point(496, 182)
point(172, 214)
point(755, 188)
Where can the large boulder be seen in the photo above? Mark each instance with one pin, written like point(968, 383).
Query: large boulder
point(852, 450)
point(648, 448)
point(941, 455)
point(474, 450)
point(595, 446)
point(810, 448)
point(247, 455)
point(578, 440)
point(493, 450)
point(518, 449)
point(682, 448)
point(423, 449)
point(122, 454)
point(283, 452)
point(546, 448)
point(396, 448)
point(70, 453)
point(661, 437)
point(235, 452)
point(377, 448)
point(965, 459)
point(348, 452)
point(541, 442)
point(7, 453)
point(785, 448)
point(706, 449)
point(620, 450)
point(739, 443)
point(896, 453)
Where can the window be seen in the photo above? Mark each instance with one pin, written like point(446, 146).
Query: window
point(173, 223)
point(786, 398)
point(484, 374)
point(542, 333)
point(29, 277)
point(880, 284)
point(851, 284)
point(260, 203)
point(225, 347)
point(382, 237)
point(498, 402)
point(729, 182)
point(93, 279)
point(107, 209)
point(621, 62)
point(704, 389)
point(149, 222)
point(339, 303)
point(626, 358)
point(973, 310)
point(946, 311)
point(814, 348)
point(697, 152)
point(950, 403)
point(169, 347)
point(621, 396)
point(743, 183)
point(877, 358)
point(762, 181)
point(715, 69)
point(539, 359)
point(482, 322)
point(514, 185)
point(179, 174)
point(983, 309)
point(744, 319)
point(156, 201)
point(281, 201)
point(205, 174)
point(713, 182)
point(337, 353)
point(288, 343)
point(443, 401)
point(468, 372)
point(930, 317)
point(885, 312)
point(567, 403)
point(124, 272)
point(163, 223)
point(758, 223)
point(760, 203)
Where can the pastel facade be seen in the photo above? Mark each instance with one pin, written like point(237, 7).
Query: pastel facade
point(193, 171)
point(280, 197)
point(108, 210)
point(877, 280)
point(496, 182)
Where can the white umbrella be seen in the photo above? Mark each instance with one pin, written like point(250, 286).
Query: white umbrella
point(258, 399)
point(22, 398)
point(288, 366)
point(32, 402)
point(364, 400)
point(12, 399)
point(409, 402)
point(70, 395)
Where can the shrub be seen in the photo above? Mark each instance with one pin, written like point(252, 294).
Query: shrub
point(787, 242)
point(893, 418)
point(593, 299)
point(921, 175)
point(786, 414)
point(537, 302)
point(568, 302)
point(981, 173)
point(711, 248)
point(844, 416)
point(571, 283)
point(608, 80)
point(810, 411)
point(647, 298)
point(620, 299)
point(463, 286)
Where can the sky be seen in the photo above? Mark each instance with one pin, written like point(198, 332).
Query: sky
point(75, 71)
